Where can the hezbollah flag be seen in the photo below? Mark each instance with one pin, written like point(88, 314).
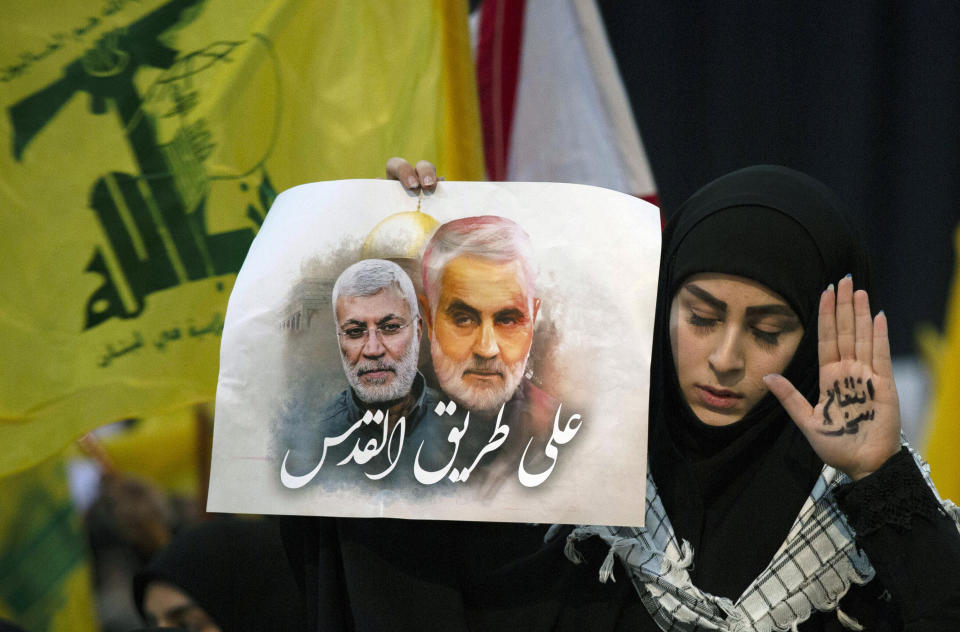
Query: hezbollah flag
point(141, 145)
point(943, 443)
point(45, 579)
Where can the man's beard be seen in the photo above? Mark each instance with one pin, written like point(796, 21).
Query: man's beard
point(405, 370)
point(475, 397)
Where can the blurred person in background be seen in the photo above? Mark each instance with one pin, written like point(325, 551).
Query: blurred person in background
point(227, 575)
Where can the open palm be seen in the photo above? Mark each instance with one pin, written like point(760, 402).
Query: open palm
point(855, 426)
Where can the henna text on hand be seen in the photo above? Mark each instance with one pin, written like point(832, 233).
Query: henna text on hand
point(848, 396)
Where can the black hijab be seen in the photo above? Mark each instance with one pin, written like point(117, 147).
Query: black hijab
point(734, 491)
point(236, 570)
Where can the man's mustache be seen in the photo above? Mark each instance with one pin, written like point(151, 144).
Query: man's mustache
point(486, 365)
point(373, 367)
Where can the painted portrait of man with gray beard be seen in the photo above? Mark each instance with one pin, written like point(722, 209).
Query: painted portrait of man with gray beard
point(378, 326)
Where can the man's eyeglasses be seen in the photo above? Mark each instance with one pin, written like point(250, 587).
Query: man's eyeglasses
point(384, 331)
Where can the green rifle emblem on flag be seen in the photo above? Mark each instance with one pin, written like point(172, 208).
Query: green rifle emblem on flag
point(155, 220)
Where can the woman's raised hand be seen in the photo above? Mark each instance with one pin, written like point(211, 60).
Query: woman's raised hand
point(423, 176)
point(855, 426)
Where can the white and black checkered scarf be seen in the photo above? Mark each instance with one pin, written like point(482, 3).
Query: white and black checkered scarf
point(813, 568)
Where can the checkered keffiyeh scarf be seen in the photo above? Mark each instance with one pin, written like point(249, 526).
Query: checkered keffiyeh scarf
point(813, 568)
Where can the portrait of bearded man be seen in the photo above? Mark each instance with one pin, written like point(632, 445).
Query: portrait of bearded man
point(378, 326)
point(479, 278)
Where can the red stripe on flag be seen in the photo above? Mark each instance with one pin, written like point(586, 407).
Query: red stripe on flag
point(498, 68)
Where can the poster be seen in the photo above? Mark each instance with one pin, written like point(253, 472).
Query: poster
point(481, 353)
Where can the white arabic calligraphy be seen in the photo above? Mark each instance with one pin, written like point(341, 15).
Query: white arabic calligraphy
point(392, 440)
point(358, 455)
point(558, 437)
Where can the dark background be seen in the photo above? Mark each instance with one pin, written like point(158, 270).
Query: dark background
point(864, 96)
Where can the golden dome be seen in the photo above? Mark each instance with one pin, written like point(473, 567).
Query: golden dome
point(399, 236)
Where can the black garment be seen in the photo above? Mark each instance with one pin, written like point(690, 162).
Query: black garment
point(368, 575)
point(376, 574)
point(912, 544)
point(236, 570)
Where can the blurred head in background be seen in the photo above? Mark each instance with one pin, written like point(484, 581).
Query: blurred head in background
point(228, 575)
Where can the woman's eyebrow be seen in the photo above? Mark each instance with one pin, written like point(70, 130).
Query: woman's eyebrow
point(774, 309)
point(706, 297)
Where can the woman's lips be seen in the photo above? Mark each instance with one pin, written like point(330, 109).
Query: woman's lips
point(718, 397)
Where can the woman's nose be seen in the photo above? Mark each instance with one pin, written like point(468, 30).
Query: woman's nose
point(727, 356)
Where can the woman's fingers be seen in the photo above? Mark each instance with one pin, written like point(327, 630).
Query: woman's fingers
point(413, 178)
point(864, 325)
point(827, 328)
point(400, 169)
point(882, 364)
point(427, 175)
point(790, 398)
point(846, 325)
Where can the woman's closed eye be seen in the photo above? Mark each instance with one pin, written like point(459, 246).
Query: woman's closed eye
point(766, 338)
point(702, 322)
point(768, 329)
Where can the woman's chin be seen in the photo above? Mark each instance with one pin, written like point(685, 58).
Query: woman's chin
point(712, 417)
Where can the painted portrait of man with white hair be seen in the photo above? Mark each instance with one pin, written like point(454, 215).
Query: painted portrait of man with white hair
point(378, 327)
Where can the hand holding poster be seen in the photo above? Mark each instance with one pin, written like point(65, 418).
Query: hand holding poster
point(481, 353)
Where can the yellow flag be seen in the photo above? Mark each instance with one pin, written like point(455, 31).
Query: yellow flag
point(943, 442)
point(45, 580)
point(161, 449)
point(141, 146)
